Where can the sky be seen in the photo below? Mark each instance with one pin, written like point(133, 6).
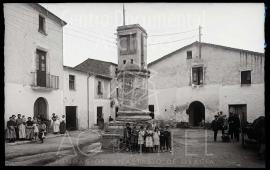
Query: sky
point(91, 27)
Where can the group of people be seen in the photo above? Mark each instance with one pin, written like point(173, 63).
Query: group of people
point(58, 124)
point(147, 139)
point(229, 126)
point(22, 129)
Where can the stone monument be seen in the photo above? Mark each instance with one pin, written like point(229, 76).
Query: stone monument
point(132, 77)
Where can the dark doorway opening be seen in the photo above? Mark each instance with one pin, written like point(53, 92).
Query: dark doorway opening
point(152, 111)
point(116, 111)
point(196, 113)
point(99, 114)
point(240, 109)
point(71, 117)
point(40, 108)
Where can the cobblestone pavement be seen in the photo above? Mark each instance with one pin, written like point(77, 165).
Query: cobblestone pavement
point(191, 148)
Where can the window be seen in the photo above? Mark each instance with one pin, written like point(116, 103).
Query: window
point(124, 61)
point(71, 82)
point(189, 54)
point(131, 61)
point(246, 77)
point(197, 75)
point(128, 44)
point(117, 92)
point(41, 26)
point(99, 88)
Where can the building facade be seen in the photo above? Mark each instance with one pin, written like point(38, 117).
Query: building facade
point(33, 60)
point(187, 86)
point(98, 91)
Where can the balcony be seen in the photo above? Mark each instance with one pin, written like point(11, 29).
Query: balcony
point(39, 82)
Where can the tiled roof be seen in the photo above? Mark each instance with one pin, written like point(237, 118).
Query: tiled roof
point(96, 67)
point(206, 44)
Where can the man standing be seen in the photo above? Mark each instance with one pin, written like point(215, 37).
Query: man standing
point(167, 136)
point(214, 126)
point(231, 125)
point(236, 126)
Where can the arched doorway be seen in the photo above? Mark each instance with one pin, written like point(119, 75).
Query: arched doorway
point(40, 108)
point(196, 113)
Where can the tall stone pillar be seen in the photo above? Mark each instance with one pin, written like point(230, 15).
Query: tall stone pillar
point(132, 74)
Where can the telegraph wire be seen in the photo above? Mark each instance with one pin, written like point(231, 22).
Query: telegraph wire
point(166, 34)
point(167, 42)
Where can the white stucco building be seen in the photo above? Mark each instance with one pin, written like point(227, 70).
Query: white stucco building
point(33, 59)
point(88, 93)
point(37, 83)
point(187, 87)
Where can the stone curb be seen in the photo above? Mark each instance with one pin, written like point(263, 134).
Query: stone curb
point(24, 142)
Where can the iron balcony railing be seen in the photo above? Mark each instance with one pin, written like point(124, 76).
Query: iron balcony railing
point(52, 81)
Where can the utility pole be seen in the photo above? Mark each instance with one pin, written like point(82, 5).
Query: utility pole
point(200, 34)
point(124, 15)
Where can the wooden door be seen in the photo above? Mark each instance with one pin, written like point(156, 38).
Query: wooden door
point(41, 68)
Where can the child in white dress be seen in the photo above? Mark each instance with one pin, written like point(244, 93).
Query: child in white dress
point(35, 130)
point(141, 138)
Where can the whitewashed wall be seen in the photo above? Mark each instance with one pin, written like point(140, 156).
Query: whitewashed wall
point(21, 41)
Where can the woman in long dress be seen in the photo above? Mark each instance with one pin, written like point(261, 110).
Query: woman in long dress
point(53, 121)
point(63, 124)
point(11, 133)
point(56, 125)
point(29, 129)
point(156, 139)
point(21, 127)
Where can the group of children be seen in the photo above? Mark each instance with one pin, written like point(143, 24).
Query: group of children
point(147, 139)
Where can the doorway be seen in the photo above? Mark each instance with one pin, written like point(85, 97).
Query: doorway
point(41, 68)
point(40, 108)
point(99, 114)
point(71, 117)
point(240, 110)
point(116, 111)
point(196, 113)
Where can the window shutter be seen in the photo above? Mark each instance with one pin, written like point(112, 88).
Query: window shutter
point(201, 75)
point(37, 61)
point(194, 76)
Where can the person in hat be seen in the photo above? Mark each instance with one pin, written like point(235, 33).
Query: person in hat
point(214, 127)
point(10, 132)
point(127, 135)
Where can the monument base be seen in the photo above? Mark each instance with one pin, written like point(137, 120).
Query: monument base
point(113, 135)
